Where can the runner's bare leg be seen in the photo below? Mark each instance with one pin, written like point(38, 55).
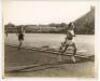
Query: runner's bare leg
point(20, 44)
point(74, 53)
point(62, 52)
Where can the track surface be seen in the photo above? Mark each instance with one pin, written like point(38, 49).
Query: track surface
point(34, 61)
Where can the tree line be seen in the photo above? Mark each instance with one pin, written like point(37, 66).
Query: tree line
point(87, 28)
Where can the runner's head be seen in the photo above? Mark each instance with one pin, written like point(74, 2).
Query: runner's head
point(71, 26)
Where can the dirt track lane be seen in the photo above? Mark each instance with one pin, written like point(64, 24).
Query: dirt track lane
point(14, 58)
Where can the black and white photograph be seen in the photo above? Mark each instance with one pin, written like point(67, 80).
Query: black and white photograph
point(49, 39)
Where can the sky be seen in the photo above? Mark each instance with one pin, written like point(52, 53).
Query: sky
point(44, 12)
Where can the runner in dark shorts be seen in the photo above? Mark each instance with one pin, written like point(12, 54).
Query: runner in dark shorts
point(20, 31)
point(21, 37)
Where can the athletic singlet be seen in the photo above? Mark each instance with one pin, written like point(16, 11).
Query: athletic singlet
point(70, 34)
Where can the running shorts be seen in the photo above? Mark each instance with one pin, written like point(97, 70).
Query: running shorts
point(20, 37)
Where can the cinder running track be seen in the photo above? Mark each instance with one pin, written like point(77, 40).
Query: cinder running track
point(28, 60)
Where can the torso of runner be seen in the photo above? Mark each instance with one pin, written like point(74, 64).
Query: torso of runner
point(70, 34)
point(20, 30)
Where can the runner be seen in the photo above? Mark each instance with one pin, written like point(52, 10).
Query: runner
point(69, 41)
point(20, 32)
